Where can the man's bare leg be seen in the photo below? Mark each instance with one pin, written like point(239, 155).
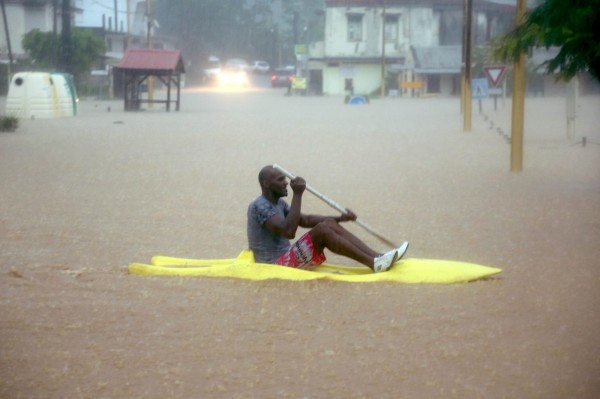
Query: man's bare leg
point(353, 239)
point(329, 234)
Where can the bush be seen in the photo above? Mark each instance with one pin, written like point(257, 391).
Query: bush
point(8, 123)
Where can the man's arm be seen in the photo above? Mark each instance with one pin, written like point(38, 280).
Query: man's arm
point(309, 221)
point(286, 227)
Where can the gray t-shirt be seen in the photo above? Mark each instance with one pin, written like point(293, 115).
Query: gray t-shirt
point(267, 247)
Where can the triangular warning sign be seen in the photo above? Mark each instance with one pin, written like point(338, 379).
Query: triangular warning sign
point(494, 73)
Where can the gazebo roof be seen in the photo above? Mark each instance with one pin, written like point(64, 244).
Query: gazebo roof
point(152, 61)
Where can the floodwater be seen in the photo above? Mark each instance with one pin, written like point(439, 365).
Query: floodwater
point(81, 198)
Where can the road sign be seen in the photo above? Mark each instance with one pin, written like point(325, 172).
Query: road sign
point(495, 73)
point(299, 83)
point(495, 91)
point(300, 49)
point(479, 89)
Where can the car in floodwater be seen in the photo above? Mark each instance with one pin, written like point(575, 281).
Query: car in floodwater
point(282, 77)
point(233, 76)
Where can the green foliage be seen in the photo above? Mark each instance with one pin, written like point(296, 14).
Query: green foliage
point(86, 48)
point(572, 25)
point(43, 49)
point(8, 123)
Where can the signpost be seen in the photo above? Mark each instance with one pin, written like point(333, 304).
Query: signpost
point(495, 75)
point(479, 90)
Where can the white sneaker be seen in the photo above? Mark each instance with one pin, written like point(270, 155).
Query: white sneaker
point(402, 250)
point(384, 262)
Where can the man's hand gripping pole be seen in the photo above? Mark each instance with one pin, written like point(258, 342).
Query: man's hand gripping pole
point(338, 207)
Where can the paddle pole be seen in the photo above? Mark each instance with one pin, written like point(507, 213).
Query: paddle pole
point(339, 208)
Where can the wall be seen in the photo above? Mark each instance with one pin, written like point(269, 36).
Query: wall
point(15, 16)
point(336, 33)
point(416, 26)
point(21, 20)
point(366, 78)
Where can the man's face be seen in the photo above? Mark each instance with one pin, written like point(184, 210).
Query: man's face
point(277, 184)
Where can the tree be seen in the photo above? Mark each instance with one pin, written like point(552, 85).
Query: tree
point(42, 49)
point(571, 25)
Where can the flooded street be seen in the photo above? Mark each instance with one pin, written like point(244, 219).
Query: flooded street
point(81, 198)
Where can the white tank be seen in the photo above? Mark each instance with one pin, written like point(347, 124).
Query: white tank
point(41, 95)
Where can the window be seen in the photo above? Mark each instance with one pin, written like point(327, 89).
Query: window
point(391, 28)
point(355, 27)
point(451, 28)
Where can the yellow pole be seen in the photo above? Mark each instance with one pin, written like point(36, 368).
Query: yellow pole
point(149, 25)
point(462, 90)
point(518, 102)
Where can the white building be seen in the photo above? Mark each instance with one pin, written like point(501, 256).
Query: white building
point(419, 40)
point(23, 16)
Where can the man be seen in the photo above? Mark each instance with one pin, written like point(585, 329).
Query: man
point(272, 223)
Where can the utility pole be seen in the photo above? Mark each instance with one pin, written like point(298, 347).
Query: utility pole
point(128, 25)
point(468, 41)
point(383, 49)
point(66, 56)
point(149, 34)
point(7, 34)
point(116, 17)
point(295, 42)
point(518, 102)
point(55, 55)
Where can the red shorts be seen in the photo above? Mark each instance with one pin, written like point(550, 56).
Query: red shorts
point(302, 255)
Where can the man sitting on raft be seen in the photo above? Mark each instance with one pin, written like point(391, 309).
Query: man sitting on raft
point(272, 223)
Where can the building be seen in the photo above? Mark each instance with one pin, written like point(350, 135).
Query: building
point(23, 16)
point(400, 41)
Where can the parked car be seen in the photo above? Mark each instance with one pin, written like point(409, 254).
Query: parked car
point(260, 67)
point(282, 77)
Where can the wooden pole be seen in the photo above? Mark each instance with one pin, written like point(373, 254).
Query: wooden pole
point(66, 55)
point(518, 103)
point(467, 81)
point(339, 208)
point(128, 24)
point(149, 34)
point(383, 50)
point(463, 59)
point(116, 16)
point(8, 44)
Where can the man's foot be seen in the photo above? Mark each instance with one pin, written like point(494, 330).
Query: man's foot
point(402, 250)
point(384, 262)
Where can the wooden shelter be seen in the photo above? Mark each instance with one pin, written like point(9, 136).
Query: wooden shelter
point(140, 63)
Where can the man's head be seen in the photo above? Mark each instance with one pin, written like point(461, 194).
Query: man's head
point(272, 182)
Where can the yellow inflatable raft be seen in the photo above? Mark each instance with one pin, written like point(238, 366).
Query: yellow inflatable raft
point(244, 266)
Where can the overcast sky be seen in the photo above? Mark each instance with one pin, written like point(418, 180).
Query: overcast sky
point(94, 9)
